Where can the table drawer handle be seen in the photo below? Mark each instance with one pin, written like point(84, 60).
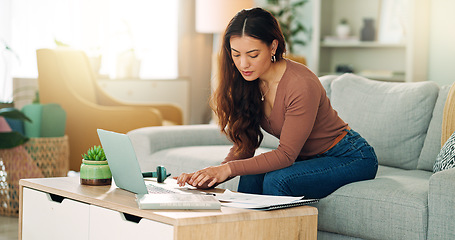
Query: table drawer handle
point(132, 218)
point(56, 198)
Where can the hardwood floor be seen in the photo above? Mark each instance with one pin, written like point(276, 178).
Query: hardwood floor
point(8, 228)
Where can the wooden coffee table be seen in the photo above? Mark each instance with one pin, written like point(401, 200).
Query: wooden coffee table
point(61, 208)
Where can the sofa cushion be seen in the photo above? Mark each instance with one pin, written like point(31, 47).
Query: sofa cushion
point(333, 236)
point(392, 117)
point(326, 81)
point(432, 144)
point(393, 205)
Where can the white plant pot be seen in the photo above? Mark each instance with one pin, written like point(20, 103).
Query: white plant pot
point(343, 31)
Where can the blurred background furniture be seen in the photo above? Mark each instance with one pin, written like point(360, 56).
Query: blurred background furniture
point(33, 144)
point(65, 76)
point(37, 158)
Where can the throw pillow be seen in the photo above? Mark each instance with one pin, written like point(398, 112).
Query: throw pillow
point(392, 117)
point(446, 157)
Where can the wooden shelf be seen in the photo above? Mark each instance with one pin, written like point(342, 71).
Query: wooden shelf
point(408, 56)
point(394, 78)
point(360, 44)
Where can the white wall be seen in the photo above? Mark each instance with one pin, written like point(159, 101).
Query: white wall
point(442, 42)
point(5, 56)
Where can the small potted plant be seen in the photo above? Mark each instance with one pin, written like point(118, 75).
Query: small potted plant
point(343, 29)
point(95, 170)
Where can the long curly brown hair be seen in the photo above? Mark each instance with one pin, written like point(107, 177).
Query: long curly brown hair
point(237, 102)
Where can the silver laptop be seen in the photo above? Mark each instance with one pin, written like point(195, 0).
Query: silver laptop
point(125, 167)
point(128, 176)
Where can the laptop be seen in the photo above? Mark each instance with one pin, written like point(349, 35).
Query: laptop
point(127, 175)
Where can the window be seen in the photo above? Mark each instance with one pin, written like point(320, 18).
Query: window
point(135, 38)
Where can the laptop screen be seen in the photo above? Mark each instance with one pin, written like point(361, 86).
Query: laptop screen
point(122, 161)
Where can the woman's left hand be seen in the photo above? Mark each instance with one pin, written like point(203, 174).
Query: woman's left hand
point(206, 177)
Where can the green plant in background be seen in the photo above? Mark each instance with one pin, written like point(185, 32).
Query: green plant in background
point(13, 138)
point(96, 153)
point(287, 14)
point(59, 43)
point(9, 49)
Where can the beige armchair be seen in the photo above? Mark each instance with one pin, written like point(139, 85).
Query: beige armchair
point(65, 76)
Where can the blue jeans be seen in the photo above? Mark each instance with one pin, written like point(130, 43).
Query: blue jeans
point(350, 160)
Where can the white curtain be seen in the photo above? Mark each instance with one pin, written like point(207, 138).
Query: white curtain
point(111, 28)
point(95, 25)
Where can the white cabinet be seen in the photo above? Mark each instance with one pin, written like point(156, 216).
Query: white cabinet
point(404, 60)
point(123, 226)
point(48, 216)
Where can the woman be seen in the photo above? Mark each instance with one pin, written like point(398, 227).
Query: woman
point(318, 152)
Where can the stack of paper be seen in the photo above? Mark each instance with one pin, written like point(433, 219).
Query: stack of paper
point(260, 202)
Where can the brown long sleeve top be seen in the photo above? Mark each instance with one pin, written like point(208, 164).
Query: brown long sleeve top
point(302, 118)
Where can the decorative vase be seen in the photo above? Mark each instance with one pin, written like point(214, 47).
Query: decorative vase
point(95, 173)
point(368, 32)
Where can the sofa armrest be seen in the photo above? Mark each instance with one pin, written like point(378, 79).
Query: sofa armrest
point(441, 205)
point(149, 140)
point(153, 139)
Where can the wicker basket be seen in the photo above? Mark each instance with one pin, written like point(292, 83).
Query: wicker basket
point(39, 157)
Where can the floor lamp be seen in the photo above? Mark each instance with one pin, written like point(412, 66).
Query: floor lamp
point(212, 17)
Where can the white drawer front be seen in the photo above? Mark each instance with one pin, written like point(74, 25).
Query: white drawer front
point(110, 224)
point(44, 218)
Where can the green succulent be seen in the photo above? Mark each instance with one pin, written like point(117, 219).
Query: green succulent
point(96, 153)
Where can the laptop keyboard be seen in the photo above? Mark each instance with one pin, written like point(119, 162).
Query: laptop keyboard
point(157, 190)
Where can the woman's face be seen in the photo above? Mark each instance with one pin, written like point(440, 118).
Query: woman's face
point(251, 56)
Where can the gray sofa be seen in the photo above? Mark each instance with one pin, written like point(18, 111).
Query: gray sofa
point(402, 121)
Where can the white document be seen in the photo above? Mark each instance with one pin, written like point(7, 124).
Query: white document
point(177, 201)
point(263, 202)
